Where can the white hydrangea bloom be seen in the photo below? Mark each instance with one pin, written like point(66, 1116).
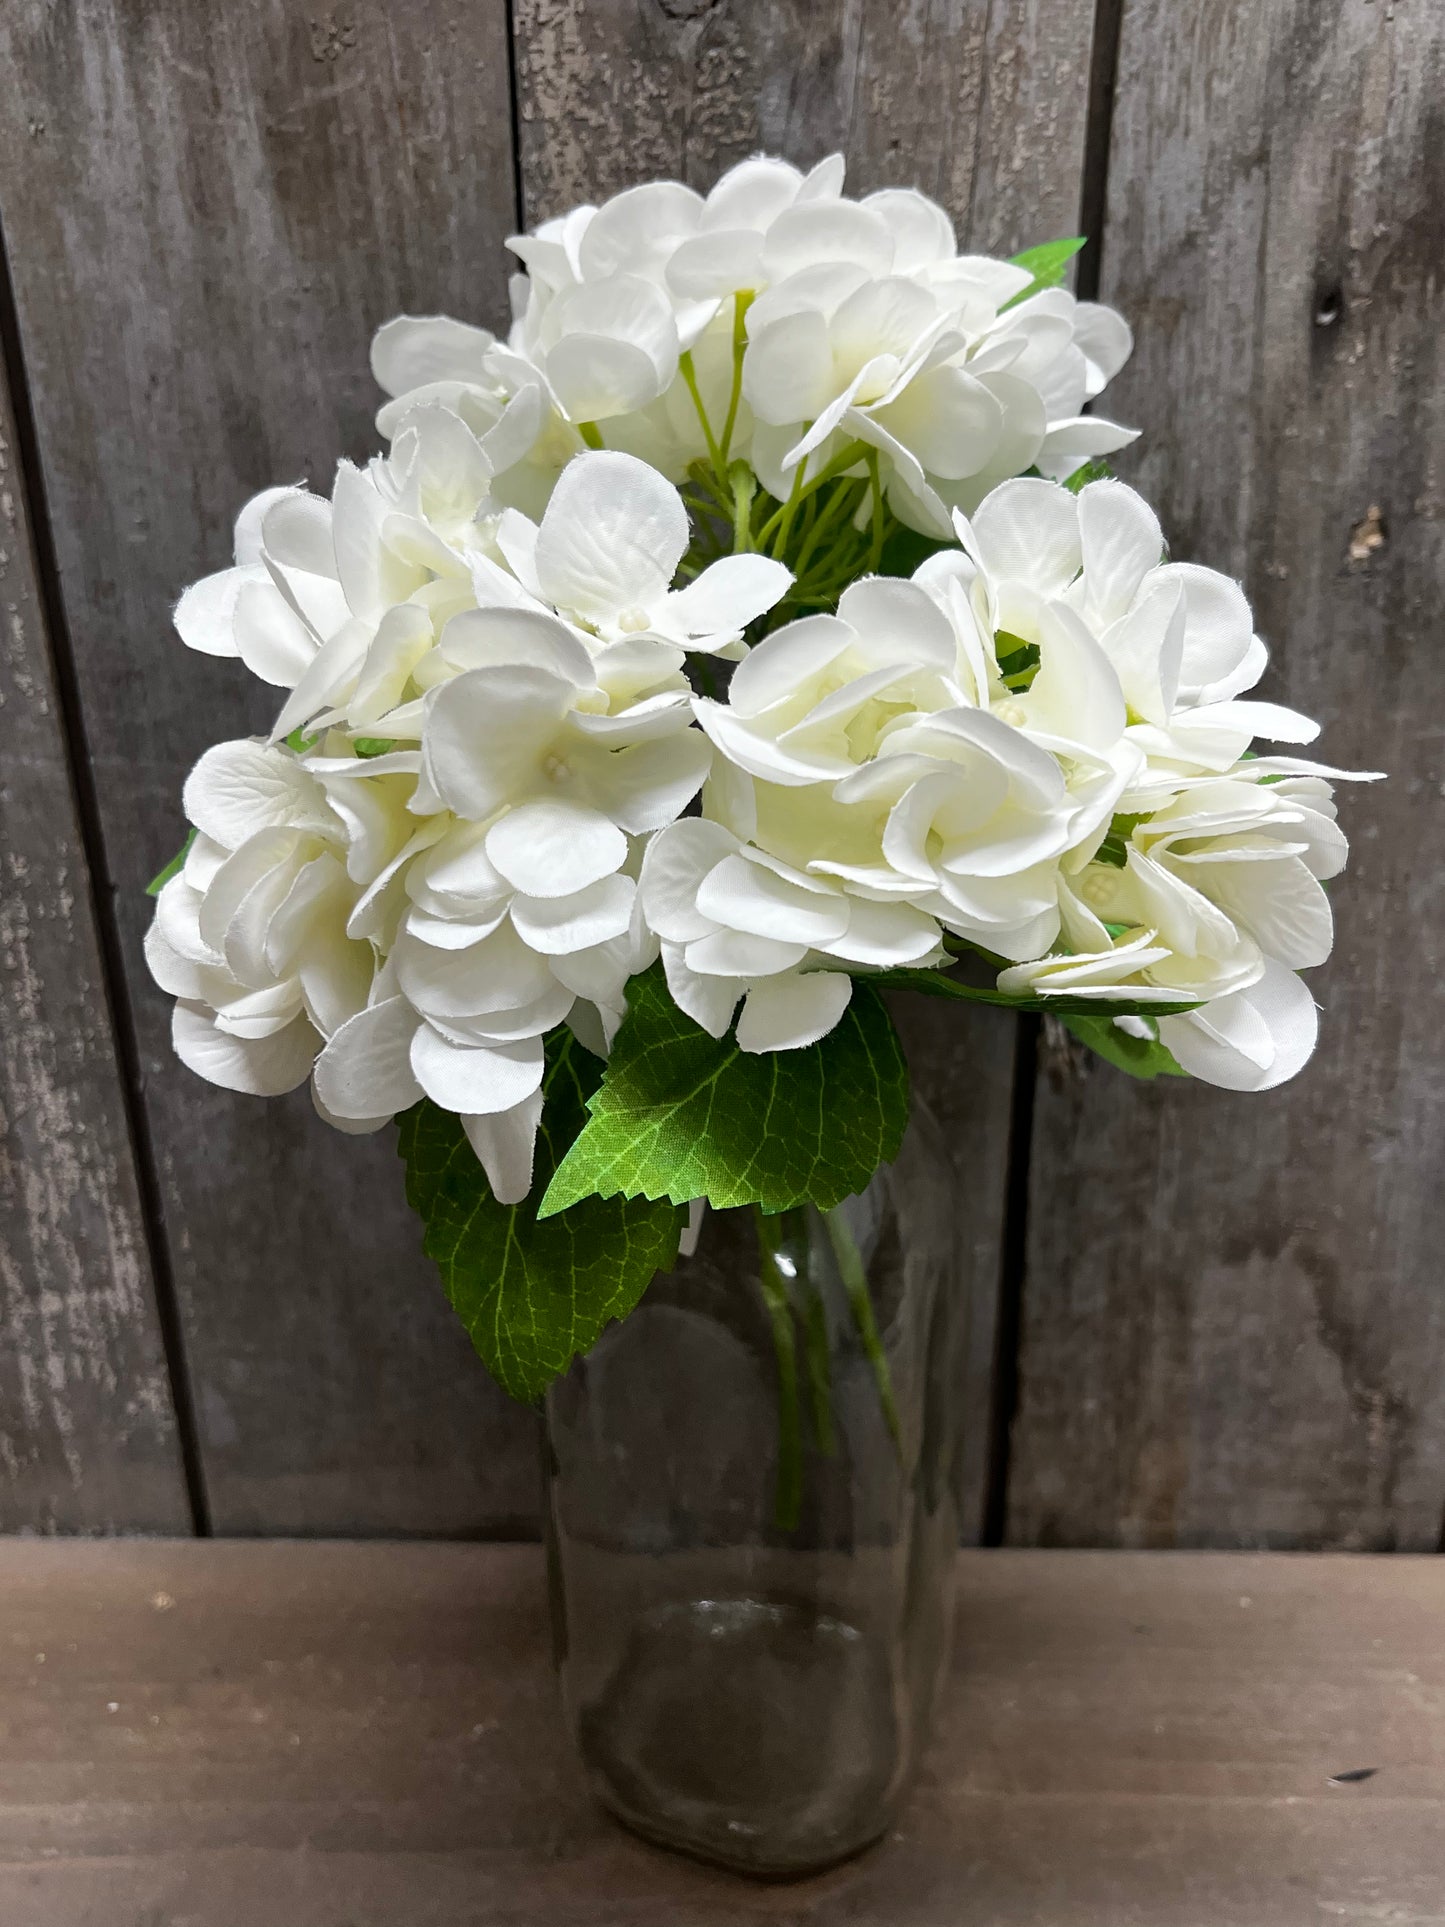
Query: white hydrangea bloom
point(326, 594)
point(614, 295)
point(1218, 896)
point(877, 762)
point(431, 360)
point(423, 910)
point(857, 321)
point(1206, 884)
point(860, 322)
point(257, 936)
point(1039, 745)
point(522, 902)
point(736, 922)
point(932, 367)
point(361, 604)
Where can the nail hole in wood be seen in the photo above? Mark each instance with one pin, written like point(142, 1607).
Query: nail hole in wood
point(1329, 306)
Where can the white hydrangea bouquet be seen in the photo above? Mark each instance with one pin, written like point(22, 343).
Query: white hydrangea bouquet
point(753, 631)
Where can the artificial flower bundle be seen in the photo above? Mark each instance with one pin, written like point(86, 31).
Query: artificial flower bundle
point(756, 629)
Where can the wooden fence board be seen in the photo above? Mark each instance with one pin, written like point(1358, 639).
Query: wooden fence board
point(979, 103)
point(208, 210)
point(982, 106)
point(1233, 1326)
point(87, 1432)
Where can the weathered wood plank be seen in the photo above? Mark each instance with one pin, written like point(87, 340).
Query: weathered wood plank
point(87, 1432)
point(979, 104)
point(1233, 1327)
point(982, 106)
point(367, 1736)
point(208, 211)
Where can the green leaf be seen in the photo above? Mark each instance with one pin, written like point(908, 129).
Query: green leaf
point(1096, 470)
point(532, 1296)
point(906, 550)
point(683, 1115)
point(373, 745)
point(300, 741)
point(173, 869)
point(1048, 264)
point(1114, 850)
point(1018, 661)
point(933, 983)
point(1140, 1056)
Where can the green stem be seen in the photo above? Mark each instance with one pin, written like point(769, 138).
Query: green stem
point(742, 301)
point(788, 1499)
point(847, 457)
point(855, 1283)
point(689, 375)
point(820, 1375)
point(825, 601)
point(779, 522)
point(698, 504)
point(839, 506)
point(702, 477)
point(590, 434)
point(743, 490)
point(875, 552)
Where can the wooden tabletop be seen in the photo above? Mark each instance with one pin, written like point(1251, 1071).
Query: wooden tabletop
point(251, 1734)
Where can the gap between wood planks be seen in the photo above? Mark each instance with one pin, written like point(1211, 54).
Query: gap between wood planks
point(1013, 1262)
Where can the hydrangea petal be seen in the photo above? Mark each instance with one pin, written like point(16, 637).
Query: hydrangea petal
point(743, 896)
point(505, 1144)
point(677, 860)
point(1122, 542)
point(791, 1012)
point(550, 848)
point(727, 596)
point(1029, 530)
point(205, 616)
point(486, 734)
point(365, 1069)
point(479, 1080)
point(1253, 1039)
point(555, 925)
point(708, 999)
point(611, 539)
point(649, 784)
point(261, 1067)
point(950, 420)
point(413, 351)
point(788, 368)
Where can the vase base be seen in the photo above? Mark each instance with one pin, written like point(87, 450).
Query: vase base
point(757, 1733)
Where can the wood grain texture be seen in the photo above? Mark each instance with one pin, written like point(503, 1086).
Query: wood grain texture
point(1233, 1324)
point(982, 106)
point(367, 1736)
point(87, 1432)
point(980, 103)
point(208, 211)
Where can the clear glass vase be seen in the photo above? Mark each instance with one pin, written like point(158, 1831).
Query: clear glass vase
point(752, 1517)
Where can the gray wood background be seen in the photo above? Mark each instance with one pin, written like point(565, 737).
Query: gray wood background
point(1201, 1319)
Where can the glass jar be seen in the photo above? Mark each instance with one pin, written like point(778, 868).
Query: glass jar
point(752, 1518)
